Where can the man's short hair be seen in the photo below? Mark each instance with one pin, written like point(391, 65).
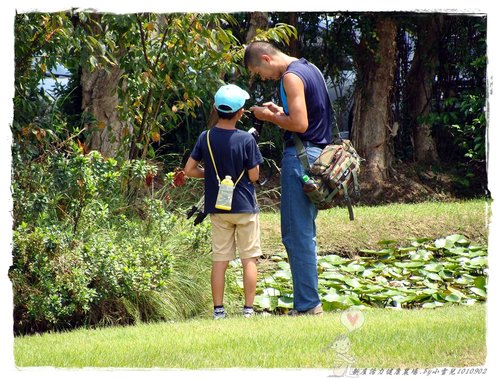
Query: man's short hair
point(255, 50)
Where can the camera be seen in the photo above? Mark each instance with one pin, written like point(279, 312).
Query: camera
point(257, 127)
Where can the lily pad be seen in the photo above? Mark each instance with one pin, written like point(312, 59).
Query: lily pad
point(409, 264)
point(478, 291)
point(453, 298)
point(285, 302)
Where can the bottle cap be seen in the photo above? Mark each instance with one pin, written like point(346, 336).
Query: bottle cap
point(228, 177)
point(305, 178)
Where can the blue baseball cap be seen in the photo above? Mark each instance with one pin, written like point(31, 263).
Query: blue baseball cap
point(231, 98)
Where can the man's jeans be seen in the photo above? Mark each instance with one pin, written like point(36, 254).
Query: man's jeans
point(298, 229)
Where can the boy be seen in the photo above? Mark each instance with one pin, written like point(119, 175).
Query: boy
point(227, 151)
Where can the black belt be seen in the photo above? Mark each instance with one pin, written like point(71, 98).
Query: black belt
point(291, 143)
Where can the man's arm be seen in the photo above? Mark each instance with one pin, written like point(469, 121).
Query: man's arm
point(193, 170)
point(296, 120)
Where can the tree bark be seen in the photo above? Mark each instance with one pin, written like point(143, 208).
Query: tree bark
point(100, 98)
point(293, 20)
point(258, 20)
point(419, 89)
point(372, 112)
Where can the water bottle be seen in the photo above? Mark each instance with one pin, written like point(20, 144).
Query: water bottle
point(311, 189)
point(225, 195)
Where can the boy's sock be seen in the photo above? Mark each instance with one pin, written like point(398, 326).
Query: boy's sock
point(219, 312)
point(248, 311)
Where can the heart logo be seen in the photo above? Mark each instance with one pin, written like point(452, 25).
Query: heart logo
point(352, 319)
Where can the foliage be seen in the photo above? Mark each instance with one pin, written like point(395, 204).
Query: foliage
point(459, 101)
point(82, 255)
point(424, 274)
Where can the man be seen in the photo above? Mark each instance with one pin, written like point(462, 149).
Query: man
point(227, 151)
point(306, 111)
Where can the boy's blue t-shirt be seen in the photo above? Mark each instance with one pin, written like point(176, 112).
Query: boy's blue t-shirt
point(234, 151)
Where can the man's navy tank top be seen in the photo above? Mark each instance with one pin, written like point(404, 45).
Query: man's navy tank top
point(317, 102)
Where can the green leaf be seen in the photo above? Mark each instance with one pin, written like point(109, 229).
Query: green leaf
point(332, 276)
point(480, 282)
point(271, 292)
point(432, 304)
point(407, 249)
point(478, 291)
point(434, 267)
point(332, 259)
point(457, 238)
point(352, 282)
point(265, 302)
point(283, 274)
point(446, 274)
point(440, 243)
point(368, 273)
point(353, 268)
point(479, 261)
point(283, 265)
point(331, 297)
point(285, 302)
point(453, 298)
point(409, 264)
point(434, 276)
point(373, 252)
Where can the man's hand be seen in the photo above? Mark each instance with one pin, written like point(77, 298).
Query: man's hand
point(273, 107)
point(266, 111)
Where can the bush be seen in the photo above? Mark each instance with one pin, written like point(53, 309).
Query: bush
point(93, 246)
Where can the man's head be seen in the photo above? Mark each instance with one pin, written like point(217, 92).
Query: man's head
point(229, 100)
point(263, 59)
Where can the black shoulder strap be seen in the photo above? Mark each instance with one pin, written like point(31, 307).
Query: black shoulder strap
point(301, 152)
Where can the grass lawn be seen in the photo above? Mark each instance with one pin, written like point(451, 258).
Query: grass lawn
point(336, 234)
point(449, 336)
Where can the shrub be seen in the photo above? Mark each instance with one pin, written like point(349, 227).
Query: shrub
point(91, 245)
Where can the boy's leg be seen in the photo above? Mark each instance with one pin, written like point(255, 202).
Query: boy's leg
point(223, 251)
point(218, 281)
point(249, 279)
point(248, 240)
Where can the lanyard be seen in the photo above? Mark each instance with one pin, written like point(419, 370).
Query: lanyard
point(213, 162)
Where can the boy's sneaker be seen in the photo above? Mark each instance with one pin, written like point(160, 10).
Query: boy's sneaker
point(248, 312)
point(219, 313)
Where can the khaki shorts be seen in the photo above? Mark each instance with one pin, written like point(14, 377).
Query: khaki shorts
point(233, 230)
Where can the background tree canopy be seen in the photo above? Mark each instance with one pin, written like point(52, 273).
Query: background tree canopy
point(96, 160)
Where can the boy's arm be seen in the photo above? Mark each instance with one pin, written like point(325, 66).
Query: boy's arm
point(193, 170)
point(253, 174)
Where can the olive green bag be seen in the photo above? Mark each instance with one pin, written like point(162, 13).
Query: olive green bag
point(335, 173)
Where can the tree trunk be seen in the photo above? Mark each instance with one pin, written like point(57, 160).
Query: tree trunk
point(293, 20)
point(420, 82)
point(100, 98)
point(372, 112)
point(258, 20)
